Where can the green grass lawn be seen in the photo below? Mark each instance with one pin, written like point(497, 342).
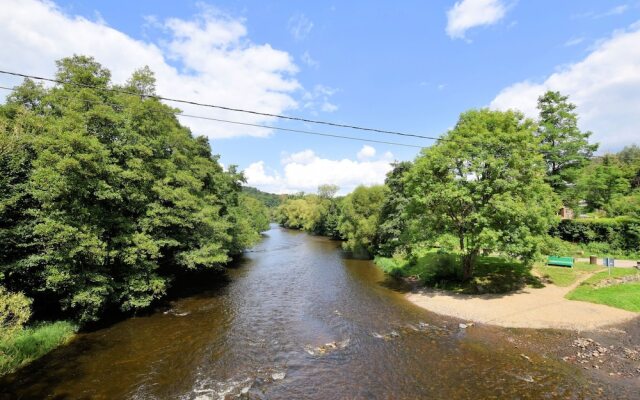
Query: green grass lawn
point(563, 276)
point(625, 296)
point(33, 342)
point(492, 274)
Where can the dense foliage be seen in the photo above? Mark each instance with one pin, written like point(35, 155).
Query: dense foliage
point(392, 230)
point(317, 214)
point(606, 180)
point(620, 233)
point(360, 219)
point(105, 197)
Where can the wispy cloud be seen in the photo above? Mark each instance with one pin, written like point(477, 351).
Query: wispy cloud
point(467, 14)
point(574, 41)
point(308, 60)
point(617, 10)
point(320, 99)
point(299, 26)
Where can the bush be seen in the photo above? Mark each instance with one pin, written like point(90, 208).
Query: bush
point(15, 310)
point(554, 246)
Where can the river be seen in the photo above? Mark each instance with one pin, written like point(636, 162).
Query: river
point(298, 320)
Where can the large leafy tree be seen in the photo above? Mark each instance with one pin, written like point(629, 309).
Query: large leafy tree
point(393, 223)
point(484, 183)
point(565, 148)
point(105, 197)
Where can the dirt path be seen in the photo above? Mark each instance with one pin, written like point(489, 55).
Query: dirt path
point(618, 263)
point(528, 308)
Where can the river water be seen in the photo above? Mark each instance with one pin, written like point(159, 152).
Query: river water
point(297, 320)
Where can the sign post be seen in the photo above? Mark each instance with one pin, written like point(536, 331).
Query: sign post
point(609, 263)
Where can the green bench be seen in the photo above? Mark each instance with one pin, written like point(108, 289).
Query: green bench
point(560, 261)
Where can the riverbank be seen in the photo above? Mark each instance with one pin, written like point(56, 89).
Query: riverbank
point(529, 307)
point(31, 343)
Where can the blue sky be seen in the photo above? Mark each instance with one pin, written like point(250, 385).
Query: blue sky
point(411, 66)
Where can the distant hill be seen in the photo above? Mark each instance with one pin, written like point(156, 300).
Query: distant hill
point(270, 200)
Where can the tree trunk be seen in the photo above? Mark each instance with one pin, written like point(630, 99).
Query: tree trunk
point(468, 264)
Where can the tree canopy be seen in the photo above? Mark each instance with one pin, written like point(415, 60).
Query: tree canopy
point(105, 197)
point(484, 183)
point(566, 149)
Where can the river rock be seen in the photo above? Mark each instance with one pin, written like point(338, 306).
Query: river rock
point(278, 376)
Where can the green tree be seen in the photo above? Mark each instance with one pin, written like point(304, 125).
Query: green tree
point(566, 149)
point(602, 181)
point(360, 216)
point(105, 197)
point(627, 205)
point(327, 191)
point(393, 223)
point(629, 156)
point(483, 183)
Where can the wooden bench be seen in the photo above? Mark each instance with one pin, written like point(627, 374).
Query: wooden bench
point(560, 261)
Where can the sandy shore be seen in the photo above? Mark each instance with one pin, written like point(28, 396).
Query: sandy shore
point(528, 308)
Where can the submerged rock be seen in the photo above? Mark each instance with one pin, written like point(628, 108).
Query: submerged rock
point(327, 347)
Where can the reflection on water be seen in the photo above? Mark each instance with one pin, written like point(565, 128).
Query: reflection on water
point(295, 321)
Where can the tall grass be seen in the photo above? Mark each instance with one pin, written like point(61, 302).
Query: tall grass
point(31, 343)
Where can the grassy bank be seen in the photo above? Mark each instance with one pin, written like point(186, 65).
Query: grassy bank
point(492, 274)
point(31, 343)
point(598, 249)
point(623, 295)
point(562, 276)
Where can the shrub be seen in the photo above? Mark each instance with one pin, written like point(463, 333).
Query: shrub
point(15, 310)
point(555, 246)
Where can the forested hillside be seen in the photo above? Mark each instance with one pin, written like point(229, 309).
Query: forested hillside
point(268, 199)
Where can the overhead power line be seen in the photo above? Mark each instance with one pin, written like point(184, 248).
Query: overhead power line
point(250, 124)
point(195, 103)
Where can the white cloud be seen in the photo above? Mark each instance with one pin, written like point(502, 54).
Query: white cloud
point(305, 171)
point(366, 152)
point(605, 86)
point(467, 14)
point(299, 26)
point(257, 176)
point(302, 157)
point(208, 59)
